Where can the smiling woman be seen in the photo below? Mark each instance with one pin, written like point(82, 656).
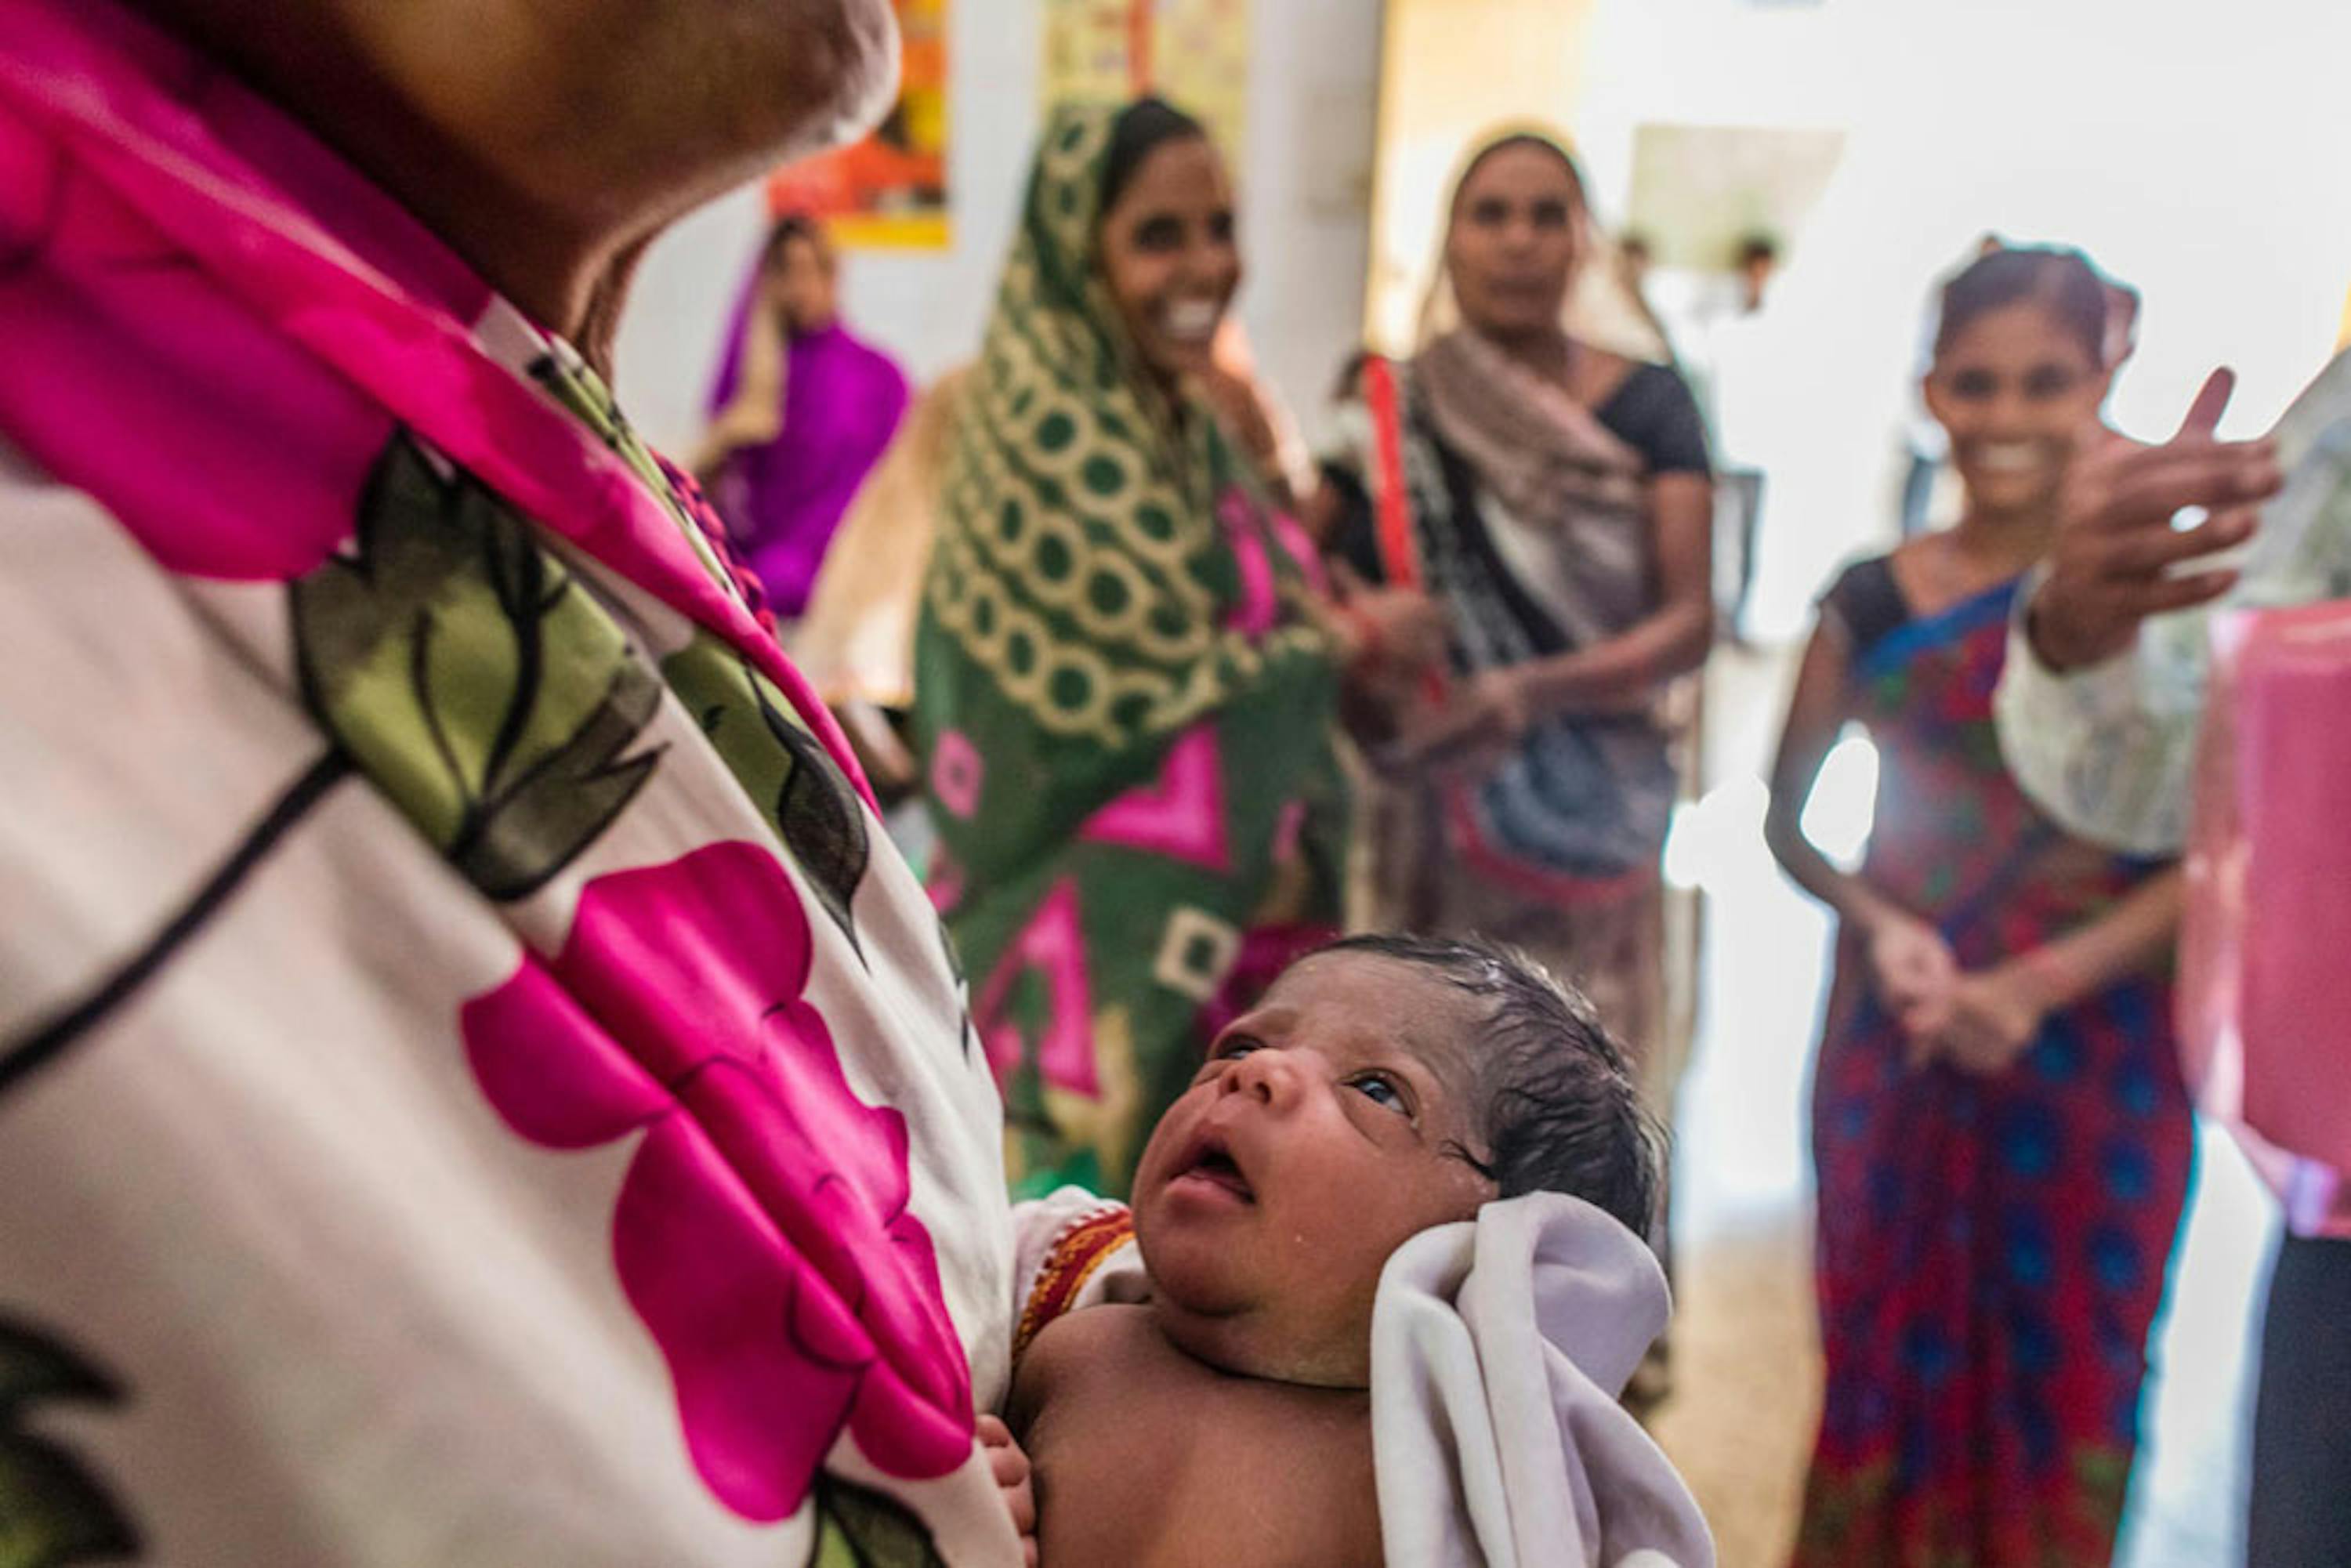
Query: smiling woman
point(1125, 691)
point(2000, 1131)
point(1167, 247)
point(1557, 500)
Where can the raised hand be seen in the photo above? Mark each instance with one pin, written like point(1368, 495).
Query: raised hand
point(2118, 551)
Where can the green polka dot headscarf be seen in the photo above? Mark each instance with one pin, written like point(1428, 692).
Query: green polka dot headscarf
point(1076, 605)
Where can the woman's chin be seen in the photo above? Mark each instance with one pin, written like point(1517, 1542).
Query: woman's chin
point(1176, 360)
point(2012, 496)
point(1517, 325)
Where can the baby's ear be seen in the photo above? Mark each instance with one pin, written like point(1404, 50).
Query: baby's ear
point(1476, 1181)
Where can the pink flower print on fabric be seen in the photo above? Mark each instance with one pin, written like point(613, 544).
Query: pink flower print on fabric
point(1258, 608)
point(762, 1231)
point(957, 772)
point(211, 486)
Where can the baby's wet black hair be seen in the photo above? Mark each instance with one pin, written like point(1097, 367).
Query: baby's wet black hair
point(1555, 1108)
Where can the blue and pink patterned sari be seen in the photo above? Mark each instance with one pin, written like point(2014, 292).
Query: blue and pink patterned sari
point(1991, 1249)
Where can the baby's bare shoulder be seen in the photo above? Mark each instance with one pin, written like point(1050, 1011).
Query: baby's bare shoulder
point(1091, 1332)
point(1077, 1347)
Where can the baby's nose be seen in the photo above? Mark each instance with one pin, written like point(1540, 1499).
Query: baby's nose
point(1269, 1075)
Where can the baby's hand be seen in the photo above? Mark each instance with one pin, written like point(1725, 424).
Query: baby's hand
point(1012, 1468)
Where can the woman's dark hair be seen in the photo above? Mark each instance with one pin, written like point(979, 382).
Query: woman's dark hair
point(1141, 128)
point(2058, 278)
point(1534, 138)
point(786, 229)
point(1555, 1104)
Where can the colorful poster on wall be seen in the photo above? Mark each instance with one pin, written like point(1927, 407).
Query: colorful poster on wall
point(888, 192)
point(1194, 53)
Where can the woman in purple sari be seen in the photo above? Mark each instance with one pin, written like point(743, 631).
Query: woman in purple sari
point(800, 414)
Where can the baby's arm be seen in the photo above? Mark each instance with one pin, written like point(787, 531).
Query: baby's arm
point(1012, 1478)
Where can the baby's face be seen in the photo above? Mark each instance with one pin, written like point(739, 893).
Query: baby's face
point(1321, 1134)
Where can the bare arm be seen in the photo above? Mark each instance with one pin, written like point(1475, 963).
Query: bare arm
point(1996, 1013)
point(1910, 965)
point(755, 414)
point(2132, 937)
point(1817, 714)
point(1672, 640)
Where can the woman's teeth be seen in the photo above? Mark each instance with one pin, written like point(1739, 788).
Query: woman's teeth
point(2011, 456)
point(1191, 320)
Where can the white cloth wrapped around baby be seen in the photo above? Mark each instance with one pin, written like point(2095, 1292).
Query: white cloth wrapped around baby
point(1499, 1348)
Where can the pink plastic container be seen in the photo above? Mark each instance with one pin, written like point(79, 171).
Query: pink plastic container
point(2265, 981)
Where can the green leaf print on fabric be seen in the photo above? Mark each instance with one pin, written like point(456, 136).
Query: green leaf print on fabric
point(472, 677)
point(786, 770)
point(52, 1510)
point(582, 392)
point(858, 1527)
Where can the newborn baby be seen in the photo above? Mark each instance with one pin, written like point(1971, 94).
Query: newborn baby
point(1383, 1085)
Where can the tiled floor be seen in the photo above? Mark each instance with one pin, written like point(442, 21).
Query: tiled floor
point(1747, 1361)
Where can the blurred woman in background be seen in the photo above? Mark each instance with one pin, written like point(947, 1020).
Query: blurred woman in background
point(2000, 1132)
point(1554, 497)
point(801, 411)
point(856, 641)
point(1126, 689)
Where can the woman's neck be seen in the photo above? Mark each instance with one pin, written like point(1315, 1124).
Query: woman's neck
point(2002, 541)
point(1549, 355)
point(568, 273)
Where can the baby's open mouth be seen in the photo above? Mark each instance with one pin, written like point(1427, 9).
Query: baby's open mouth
point(1212, 1163)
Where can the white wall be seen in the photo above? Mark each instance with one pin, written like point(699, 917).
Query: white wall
point(1305, 187)
point(2196, 151)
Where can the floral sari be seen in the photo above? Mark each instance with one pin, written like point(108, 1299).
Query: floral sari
point(479, 1088)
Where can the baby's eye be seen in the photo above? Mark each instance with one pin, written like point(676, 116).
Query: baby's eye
point(1234, 1048)
point(1380, 1091)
